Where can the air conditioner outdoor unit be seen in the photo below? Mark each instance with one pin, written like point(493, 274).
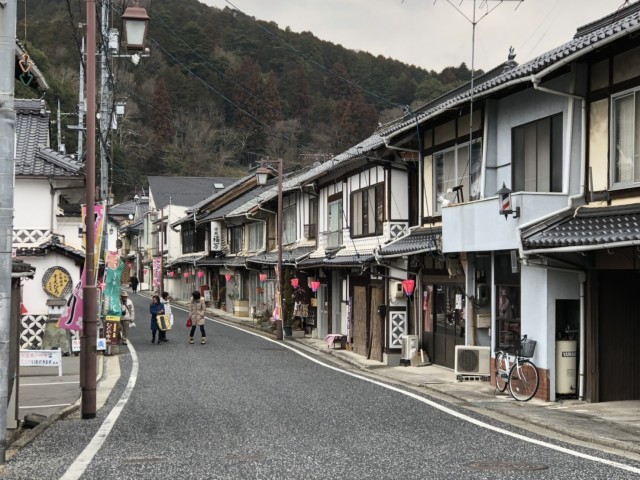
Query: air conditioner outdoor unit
point(472, 363)
point(409, 345)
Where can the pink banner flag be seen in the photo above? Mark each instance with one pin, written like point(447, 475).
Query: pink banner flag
point(71, 317)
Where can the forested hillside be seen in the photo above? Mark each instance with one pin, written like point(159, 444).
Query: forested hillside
point(221, 90)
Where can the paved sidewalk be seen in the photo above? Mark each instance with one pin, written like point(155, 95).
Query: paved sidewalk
point(609, 426)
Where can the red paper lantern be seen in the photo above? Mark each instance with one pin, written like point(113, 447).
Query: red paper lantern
point(129, 264)
point(227, 277)
point(315, 285)
point(295, 282)
point(408, 286)
point(185, 274)
point(263, 277)
point(200, 274)
point(171, 273)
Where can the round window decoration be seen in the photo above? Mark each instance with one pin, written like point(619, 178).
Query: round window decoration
point(56, 282)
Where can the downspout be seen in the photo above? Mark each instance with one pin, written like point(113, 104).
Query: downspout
point(535, 80)
point(52, 191)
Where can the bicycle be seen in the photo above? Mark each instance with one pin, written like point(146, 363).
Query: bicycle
point(521, 377)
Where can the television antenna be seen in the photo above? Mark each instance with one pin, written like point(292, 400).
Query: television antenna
point(474, 19)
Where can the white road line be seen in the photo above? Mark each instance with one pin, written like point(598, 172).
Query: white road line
point(41, 384)
point(81, 463)
point(444, 409)
point(47, 406)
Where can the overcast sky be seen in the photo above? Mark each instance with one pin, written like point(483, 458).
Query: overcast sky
point(434, 34)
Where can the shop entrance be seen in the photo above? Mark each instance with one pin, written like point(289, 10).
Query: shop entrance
point(449, 326)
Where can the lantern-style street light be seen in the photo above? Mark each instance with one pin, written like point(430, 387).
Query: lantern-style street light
point(88, 339)
point(262, 175)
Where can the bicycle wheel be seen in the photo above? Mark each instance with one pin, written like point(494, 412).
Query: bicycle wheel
point(523, 380)
point(501, 372)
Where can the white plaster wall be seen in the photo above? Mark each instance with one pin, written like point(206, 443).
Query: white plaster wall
point(32, 205)
point(399, 201)
point(533, 311)
point(34, 297)
point(69, 227)
point(173, 242)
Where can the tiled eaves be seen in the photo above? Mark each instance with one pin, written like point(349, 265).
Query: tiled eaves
point(417, 241)
point(587, 227)
point(541, 65)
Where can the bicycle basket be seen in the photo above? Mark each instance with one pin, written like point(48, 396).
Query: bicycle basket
point(527, 348)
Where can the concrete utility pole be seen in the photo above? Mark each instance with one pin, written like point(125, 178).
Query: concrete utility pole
point(106, 95)
point(8, 19)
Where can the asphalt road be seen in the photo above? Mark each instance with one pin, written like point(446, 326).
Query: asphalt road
point(244, 407)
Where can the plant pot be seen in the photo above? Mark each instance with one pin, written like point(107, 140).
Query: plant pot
point(287, 330)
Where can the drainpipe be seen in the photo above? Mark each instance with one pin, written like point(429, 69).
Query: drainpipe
point(535, 80)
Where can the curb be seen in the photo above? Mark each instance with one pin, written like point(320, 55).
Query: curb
point(23, 437)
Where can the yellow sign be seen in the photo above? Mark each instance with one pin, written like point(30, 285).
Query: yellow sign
point(112, 318)
point(57, 282)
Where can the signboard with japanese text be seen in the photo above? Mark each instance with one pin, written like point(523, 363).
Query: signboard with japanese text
point(41, 358)
point(56, 282)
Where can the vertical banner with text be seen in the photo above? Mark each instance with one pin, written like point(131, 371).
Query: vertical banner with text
point(71, 317)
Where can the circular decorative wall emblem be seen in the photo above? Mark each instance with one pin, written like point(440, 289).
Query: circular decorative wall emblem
point(56, 282)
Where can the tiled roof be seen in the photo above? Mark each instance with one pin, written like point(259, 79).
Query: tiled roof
point(210, 261)
point(234, 204)
point(186, 260)
point(594, 36)
point(587, 229)
point(289, 257)
point(342, 261)
point(419, 240)
point(33, 155)
point(233, 262)
point(185, 191)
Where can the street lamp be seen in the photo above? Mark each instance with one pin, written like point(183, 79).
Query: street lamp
point(88, 354)
point(262, 175)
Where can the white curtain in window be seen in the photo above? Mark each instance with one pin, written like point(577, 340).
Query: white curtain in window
point(624, 138)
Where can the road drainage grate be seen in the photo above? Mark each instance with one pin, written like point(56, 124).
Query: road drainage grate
point(507, 466)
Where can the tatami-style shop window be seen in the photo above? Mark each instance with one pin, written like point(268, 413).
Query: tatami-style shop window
point(625, 148)
point(537, 156)
point(367, 211)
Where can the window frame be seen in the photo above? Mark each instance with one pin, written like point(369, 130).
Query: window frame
point(469, 177)
point(255, 236)
point(522, 164)
point(235, 235)
point(362, 225)
point(615, 182)
point(334, 237)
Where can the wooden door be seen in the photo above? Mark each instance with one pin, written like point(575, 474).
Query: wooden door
point(360, 321)
point(377, 324)
point(618, 335)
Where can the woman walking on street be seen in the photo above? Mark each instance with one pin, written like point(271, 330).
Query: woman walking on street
point(156, 309)
point(128, 315)
point(196, 313)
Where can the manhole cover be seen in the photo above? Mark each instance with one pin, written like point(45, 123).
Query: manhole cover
point(507, 466)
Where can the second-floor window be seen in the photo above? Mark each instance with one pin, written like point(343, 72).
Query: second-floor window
point(537, 155)
point(334, 223)
point(235, 239)
point(311, 229)
point(367, 211)
point(254, 231)
point(193, 239)
point(454, 168)
point(625, 151)
point(289, 224)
